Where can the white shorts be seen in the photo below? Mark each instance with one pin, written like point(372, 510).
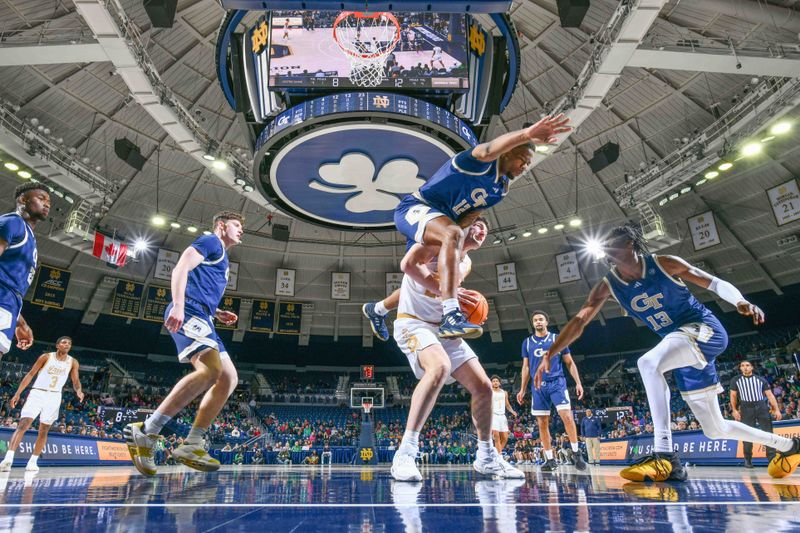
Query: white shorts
point(500, 423)
point(413, 336)
point(43, 404)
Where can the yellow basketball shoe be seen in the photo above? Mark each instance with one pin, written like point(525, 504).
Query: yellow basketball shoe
point(195, 456)
point(785, 463)
point(655, 467)
point(141, 446)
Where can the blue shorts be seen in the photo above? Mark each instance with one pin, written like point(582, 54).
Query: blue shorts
point(553, 392)
point(707, 340)
point(196, 334)
point(412, 215)
point(10, 306)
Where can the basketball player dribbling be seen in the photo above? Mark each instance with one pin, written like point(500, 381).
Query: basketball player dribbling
point(437, 362)
point(51, 371)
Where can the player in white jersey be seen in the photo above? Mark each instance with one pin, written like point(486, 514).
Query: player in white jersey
point(499, 422)
point(51, 371)
point(437, 56)
point(437, 362)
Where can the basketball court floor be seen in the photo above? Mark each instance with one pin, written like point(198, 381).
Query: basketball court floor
point(353, 499)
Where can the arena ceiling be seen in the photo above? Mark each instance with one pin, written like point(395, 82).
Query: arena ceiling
point(88, 106)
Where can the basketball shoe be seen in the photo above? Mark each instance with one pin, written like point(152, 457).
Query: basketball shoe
point(195, 456)
point(376, 321)
point(495, 465)
point(455, 324)
point(784, 463)
point(141, 446)
point(654, 467)
point(404, 467)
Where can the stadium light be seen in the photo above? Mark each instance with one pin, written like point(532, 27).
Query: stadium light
point(725, 166)
point(24, 174)
point(512, 237)
point(175, 225)
point(158, 220)
point(558, 226)
point(575, 222)
point(13, 167)
point(206, 232)
point(781, 128)
point(208, 157)
point(542, 231)
point(673, 196)
point(191, 229)
point(140, 245)
point(595, 247)
point(527, 233)
point(700, 182)
point(711, 174)
point(497, 240)
point(542, 148)
point(751, 149)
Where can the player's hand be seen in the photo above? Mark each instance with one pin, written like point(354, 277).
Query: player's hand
point(538, 376)
point(464, 296)
point(778, 415)
point(174, 320)
point(24, 336)
point(579, 391)
point(514, 414)
point(226, 317)
point(79, 394)
point(520, 397)
point(747, 309)
point(737, 415)
point(14, 401)
point(545, 131)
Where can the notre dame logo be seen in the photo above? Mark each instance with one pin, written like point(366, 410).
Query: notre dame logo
point(160, 293)
point(367, 454)
point(228, 302)
point(290, 308)
point(380, 101)
point(263, 305)
point(55, 274)
point(129, 287)
point(477, 41)
point(260, 37)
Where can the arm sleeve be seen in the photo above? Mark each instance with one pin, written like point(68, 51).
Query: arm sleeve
point(524, 349)
point(726, 291)
point(10, 229)
point(765, 385)
point(734, 384)
point(208, 246)
point(465, 162)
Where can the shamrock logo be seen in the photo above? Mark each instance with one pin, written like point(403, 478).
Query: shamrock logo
point(355, 173)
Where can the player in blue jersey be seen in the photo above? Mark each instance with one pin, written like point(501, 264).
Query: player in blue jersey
point(553, 390)
point(198, 282)
point(470, 182)
point(652, 288)
point(18, 258)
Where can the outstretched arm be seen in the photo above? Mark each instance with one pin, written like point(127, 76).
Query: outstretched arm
point(678, 268)
point(543, 132)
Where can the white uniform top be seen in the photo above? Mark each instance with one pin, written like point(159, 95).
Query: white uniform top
point(417, 302)
point(53, 374)
point(437, 52)
point(499, 403)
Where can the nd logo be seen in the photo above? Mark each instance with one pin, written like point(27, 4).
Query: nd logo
point(367, 454)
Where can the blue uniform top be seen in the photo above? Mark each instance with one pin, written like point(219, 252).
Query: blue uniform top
point(658, 299)
point(534, 347)
point(464, 184)
point(18, 262)
point(208, 280)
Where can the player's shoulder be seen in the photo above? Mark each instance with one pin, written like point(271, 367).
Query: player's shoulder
point(12, 220)
point(208, 243)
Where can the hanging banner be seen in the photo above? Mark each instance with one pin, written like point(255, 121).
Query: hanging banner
point(506, 277)
point(155, 303)
point(127, 299)
point(568, 270)
point(165, 262)
point(50, 287)
point(229, 303)
point(284, 282)
point(262, 318)
point(340, 285)
point(289, 317)
point(233, 276)
point(785, 202)
point(704, 231)
point(393, 282)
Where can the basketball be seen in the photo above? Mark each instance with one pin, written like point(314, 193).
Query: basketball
point(478, 311)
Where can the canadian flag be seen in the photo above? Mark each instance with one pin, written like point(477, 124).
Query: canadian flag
point(110, 250)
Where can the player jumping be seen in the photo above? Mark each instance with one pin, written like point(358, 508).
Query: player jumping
point(198, 282)
point(652, 288)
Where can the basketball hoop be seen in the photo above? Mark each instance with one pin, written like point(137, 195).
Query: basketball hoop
point(366, 39)
point(366, 404)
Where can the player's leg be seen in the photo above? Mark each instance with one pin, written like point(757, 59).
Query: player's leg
point(376, 314)
point(496, 441)
point(38, 447)
point(23, 426)
point(543, 423)
point(503, 440)
point(572, 434)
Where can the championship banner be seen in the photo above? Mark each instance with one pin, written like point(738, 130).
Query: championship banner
point(127, 299)
point(785, 202)
point(66, 450)
point(393, 282)
point(704, 231)
point(289, 317)
point(50, 287)
point(340, 285)
point(233, 276)
point(506, 277)
point(229, 303)
point(155, 303)
point(165, 262)
point(284, 282)
point(262, 318)
point(568, 270)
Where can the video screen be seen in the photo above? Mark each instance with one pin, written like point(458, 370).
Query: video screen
point(431, 52)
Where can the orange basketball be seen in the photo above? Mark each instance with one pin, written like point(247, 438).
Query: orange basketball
point(478, 311)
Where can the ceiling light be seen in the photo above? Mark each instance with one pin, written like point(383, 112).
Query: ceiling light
point(673, 196)
point(542, 231)
point(208, 157)
point(12, 166)
point(140, 245)
point(69, 199)
point(247, 188)
point(527, 233)
point(711, 174)
point(575, 222)
point(191, 229)
point(174, 225)
point(239, 181)
point(700, 182)
point(542, 148)
point(24, 174)
point(497, 240)
point(58, 193)
point(781, 127)
point(558, 226)
point(686, 190)
point(595, 248)
point(206, 232)
point(663, 202)
point(512, 237)
point(751, 149)
point(158, 220)
point(219, 164)
point(725, 166)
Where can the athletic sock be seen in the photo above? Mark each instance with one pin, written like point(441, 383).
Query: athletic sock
point(155, 423)
point(33, 459)
point(574, 446)
point(548, 455)
point(9, 456)
point(449, 305)
point(380, 309)
point(485, 448)
point(196, 436)
point(410, 443)
point(662, 441)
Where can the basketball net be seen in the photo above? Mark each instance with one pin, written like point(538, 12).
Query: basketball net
point(367, 406)
point(366, 39)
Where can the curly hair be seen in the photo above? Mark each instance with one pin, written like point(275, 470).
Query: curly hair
point(633, 233)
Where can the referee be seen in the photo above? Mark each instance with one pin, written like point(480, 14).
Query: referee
point(749, 396)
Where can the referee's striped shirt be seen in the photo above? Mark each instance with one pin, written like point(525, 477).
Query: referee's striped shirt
point(750, 389)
